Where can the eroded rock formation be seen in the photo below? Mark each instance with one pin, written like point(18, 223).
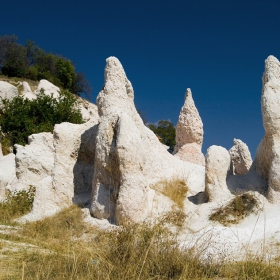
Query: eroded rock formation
point(189, 133)
point(216, 168)
point(267, 161)
point(129, 159)
point(240, 157)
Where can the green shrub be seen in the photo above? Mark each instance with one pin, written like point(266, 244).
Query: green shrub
point(16, 204)
point(22, 117)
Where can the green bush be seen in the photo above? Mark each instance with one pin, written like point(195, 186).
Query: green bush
point(22, 117)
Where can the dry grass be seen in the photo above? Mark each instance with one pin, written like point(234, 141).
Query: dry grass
point(133, 251)
point(175, 189)
point(240, 207)
point(15, 82)
point(6, 145)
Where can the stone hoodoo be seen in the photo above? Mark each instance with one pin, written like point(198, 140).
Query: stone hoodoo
point(189, 133)
point(267, 161)
point(216, 170)
point(240, 157)
point(129, 159)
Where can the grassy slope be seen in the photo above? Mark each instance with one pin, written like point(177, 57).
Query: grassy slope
point(63, 247)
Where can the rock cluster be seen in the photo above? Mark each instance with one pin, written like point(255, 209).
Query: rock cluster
point(129, 158)
point(59, 164)
point(189, 133)
point(113, 163)
point(8, 91)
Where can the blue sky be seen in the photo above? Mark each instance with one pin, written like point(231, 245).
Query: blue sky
point(215, 47)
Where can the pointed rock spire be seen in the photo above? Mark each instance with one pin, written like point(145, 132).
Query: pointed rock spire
point(129, 158)
point(189, 133)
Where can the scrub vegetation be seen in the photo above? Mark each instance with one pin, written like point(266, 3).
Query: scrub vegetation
point(22, 117)
point(64, 247)
point(237, 209)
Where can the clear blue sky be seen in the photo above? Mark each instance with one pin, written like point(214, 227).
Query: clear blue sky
point(215, 47)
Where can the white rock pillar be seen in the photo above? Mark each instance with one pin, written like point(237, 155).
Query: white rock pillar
point(189, 133)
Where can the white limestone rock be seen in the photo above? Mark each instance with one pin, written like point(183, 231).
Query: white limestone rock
point(27, 92)
point(216, 169)
point(34, 161)
point(46, 202)
point(69, 179)
point(7, 173)
point(7, 91)
point(267, 161)
point(49, 88)
point(189, 133)
point(74, 162)
point(89, 110)
point(240, 157)
point(129, 158)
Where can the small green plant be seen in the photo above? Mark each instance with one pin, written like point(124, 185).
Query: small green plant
point(175, 189)
point(16, 204)
point(237, 209)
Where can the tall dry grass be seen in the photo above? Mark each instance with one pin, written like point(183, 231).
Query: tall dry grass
point(69, 249)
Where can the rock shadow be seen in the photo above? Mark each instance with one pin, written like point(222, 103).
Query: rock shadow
point(199, 198)
point(239, 184)
point(84, 168)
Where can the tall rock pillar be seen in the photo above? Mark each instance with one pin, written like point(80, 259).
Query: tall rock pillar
point(189, 133)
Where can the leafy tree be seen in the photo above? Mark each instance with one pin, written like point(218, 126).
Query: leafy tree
point(81, 85)
point(165, 131)
point(22, 117)
point(5, 42)
point(65, 72)
point(30, 61)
